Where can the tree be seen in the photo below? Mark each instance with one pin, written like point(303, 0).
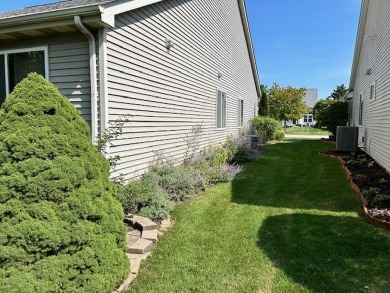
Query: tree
point(263, 105)
point(339, 92)
point(61, 228)
point(286, 103)
point(330, 114)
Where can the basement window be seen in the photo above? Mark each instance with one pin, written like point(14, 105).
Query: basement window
point(15, 65)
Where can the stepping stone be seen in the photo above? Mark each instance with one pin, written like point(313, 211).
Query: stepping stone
point(138, 256)
point(140, 246)
point(135, 265)
point(150, 235)
point(144, 223)
point(133, 236)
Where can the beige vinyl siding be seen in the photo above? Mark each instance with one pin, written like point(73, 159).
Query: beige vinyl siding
point(168, 92)
point(68, 67)
point(375, 55)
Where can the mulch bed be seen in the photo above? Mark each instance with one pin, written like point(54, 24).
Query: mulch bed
point(370, 181)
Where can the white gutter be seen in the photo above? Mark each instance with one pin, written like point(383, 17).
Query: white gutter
point(93, 73)
point(103, 86)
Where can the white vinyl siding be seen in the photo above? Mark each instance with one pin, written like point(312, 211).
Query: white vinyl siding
point(373, 70)
point(221, 109)
point(168, 92)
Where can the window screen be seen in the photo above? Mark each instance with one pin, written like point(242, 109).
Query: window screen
point(21, 64)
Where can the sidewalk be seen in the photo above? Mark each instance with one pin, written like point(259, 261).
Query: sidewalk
point(305, 136)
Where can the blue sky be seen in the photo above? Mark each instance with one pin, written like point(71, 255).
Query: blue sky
point(302, 43)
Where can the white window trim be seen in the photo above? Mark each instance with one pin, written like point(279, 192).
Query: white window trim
point(216, 103)
point(373, 97)
point(45, 49)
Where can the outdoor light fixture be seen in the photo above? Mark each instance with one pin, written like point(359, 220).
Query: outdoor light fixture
point(369, 71)
point(169, 44)
point(219, 74)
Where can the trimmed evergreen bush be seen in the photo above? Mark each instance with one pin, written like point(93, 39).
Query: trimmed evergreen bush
point(60, 225)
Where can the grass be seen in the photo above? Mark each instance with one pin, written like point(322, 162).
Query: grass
point(290, 224)
point(306, 131)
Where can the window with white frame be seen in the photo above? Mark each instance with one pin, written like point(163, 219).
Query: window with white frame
point(16, 64)
point(240, 112)
point(221, 109)
point(372, 91)
point(361, 109)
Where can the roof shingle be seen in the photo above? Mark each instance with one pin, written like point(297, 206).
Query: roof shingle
point(51, 7)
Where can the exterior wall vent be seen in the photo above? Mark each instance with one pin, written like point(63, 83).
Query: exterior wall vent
point(347, 138)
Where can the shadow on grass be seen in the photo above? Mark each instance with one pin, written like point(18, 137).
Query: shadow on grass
point(328, 254)
point(294, 175)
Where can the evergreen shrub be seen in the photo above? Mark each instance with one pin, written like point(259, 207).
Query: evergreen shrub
point(60, 225)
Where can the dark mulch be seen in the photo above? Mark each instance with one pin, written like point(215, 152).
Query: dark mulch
point(372, 179)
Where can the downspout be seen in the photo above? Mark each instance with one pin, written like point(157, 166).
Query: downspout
point(93, 72)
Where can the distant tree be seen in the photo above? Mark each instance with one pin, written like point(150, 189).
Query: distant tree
point(286, 103)
point(330, 114)
point(339, 92)
point(263, 105)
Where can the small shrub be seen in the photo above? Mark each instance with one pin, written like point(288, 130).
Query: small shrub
point(381, 199)
point(158, 208)
point(177, 181)
point(232, 147)
point(223, 173)
point(371, 192)
point(361, 179)
point(266, 127)
point(279, 135)
point(215, 155)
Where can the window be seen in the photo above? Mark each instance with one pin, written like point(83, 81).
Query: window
point(240, 113)
point(221, 110)
point(372, 92)
point(16, 64)
point(305, 118)
point(361, 109)
point(310, 118)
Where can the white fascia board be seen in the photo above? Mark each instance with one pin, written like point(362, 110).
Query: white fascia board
point(359, 42)
point(248, 37)
point(110, 10)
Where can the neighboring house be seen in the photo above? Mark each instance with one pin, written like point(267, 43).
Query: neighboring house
point(307, 119)
point(370, 81)
point(169, 64)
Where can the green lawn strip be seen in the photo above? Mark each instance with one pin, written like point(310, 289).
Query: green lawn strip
point(306, 130)
point(291, 224)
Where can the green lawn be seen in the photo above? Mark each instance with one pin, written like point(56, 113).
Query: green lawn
point(291, 224)
point(306, 130)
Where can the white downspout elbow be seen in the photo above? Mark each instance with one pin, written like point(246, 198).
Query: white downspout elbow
point(93, 73)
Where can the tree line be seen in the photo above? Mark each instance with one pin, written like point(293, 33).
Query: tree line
point(287, 103)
